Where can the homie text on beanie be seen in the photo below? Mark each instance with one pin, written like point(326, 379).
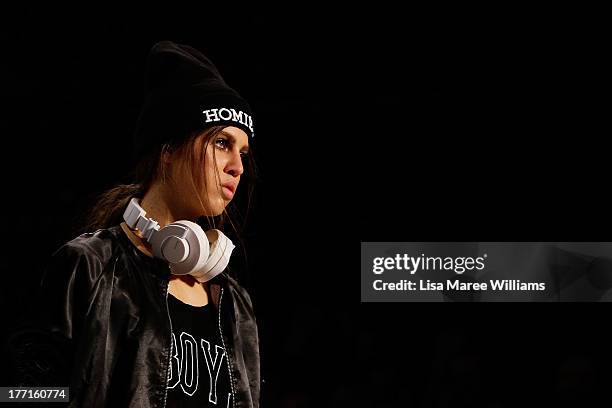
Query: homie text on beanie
point(185, 93)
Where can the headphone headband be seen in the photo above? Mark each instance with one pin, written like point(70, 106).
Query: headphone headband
point(135, 218)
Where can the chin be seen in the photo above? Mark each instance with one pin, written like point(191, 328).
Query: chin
point(211, 214)
point(216, 211)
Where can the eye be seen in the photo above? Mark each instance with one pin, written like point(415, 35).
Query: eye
point(222, 143)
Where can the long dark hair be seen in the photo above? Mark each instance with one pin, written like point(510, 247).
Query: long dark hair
point(108, 207)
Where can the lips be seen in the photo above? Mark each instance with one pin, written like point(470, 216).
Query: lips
point(228, 190)
point(230, 186)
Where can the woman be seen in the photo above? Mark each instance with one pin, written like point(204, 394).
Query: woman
point(119, 326)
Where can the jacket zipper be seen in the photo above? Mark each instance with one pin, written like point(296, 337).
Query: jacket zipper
point(170, 348)
point(227, 353)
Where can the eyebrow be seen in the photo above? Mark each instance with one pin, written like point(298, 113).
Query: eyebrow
point(245, 149)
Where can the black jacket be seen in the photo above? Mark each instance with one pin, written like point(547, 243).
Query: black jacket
point(104, 327)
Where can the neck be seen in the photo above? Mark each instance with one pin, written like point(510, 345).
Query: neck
point(166, 205)
point(157, 207)
point(137, 240)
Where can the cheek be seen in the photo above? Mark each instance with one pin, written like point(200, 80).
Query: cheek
point(213, 167)
point(210, 174)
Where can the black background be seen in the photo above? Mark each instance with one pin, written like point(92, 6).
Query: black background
point(405, 125)
point(489, 125)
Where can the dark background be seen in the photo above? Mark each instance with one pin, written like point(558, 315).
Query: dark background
point(489, 125)
point(406, 125)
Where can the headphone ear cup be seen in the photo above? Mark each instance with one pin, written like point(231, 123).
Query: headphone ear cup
point(185, 233)
point(221, 248)
point(175, 249)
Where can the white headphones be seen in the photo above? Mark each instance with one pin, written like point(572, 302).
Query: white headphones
point(183, 244)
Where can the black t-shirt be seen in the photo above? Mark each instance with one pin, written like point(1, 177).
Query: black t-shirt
point(199, 375)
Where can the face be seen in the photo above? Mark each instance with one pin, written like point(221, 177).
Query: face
point(222, 165)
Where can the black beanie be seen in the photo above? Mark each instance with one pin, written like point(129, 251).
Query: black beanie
point(185, 93)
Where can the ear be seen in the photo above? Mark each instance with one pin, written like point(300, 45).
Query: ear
point(166, 154)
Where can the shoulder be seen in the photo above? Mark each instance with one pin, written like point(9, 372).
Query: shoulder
point(101, 244)
point(240, 294)
point(90, 251)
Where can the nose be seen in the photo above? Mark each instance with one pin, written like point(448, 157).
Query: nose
point(234, 165)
